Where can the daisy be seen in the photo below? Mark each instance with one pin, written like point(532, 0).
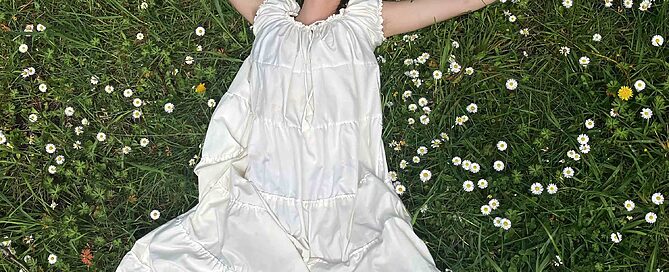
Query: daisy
point(497, 222)
point(416, 159)
point(505, 223)
point(392, 175)
point(625, 93)
point(616, 237)
point(576, 157)
point(455, 67)
point(501, 145)
point(52, 258)
point(567, 3)
point(551, 188)
point(189, 60)
point(52, 169)
point(424, 119)
point(109, 88)
point(498, 165)
point(399, 189)
point(564, 50)
point(425, 175)
point(137, 102)
point(29, 28)
point(403, 164)
point(493, 203)
point(584, 61)
point(139, 36)
point(657, 40)
point(199, 31)
point(628, 3)
point(143, 142)
point(568, 172)
point(60, 159)
point(32, 117)
point(169, 107)
point(41, 27)
point(23, 48)
point(571, 153)
point(421, 150)
point(437, 74)
point(50, 148)
point(144, 5)
point(646, 113)
point(639, 85)
point(584, 148)
point(474, 167)
point(412, 107)
point(511, 84)
point(658, 198)
point(101, 136)
point(468, 185)
point(211, 103)
point(69, 111)
point(651, 217)
point(466, 164)
point(411, 121)
point(155, 214)
point(76, 145)
point(78, 130)
point(525, 32)
point(512, 18)
point(469, 71)
point(42, 87)
point(582, 139)
point(608, 3)
point(596, 37)
point(485, 209)
point(645, 5)
point(444, 136)
point(422, 101)
point(629, 205)
point(482, 183)
point(126, 149)
point(589, 124)
point(472, 108)
point(455, 44)
point(536, 188)
point(127, 92)
point(456, 160)
point(84, 122)
point(413, 73)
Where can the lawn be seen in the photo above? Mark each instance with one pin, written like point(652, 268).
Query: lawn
point(527, 136)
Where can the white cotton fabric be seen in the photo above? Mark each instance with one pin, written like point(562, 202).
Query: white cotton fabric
point(293, 175)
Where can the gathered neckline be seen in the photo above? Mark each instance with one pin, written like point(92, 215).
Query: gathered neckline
point(296, 8)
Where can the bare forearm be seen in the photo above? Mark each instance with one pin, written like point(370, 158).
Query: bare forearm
point(407, 15)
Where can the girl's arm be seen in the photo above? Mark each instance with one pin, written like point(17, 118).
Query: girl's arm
point(407, 15)
point(246, 8)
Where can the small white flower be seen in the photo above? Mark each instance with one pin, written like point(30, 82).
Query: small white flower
point(392, 175)
point(455, 44)
point(399, 189)
point(657, 40)
point(616, 237)
point(456, 160)
point(199, 31)
point(211, 103)
point(143, 142)
point(468, 185)
point(646, 113)
point(437, 74)
point(525, 31)
point(139, 36)
point(42, 87)
point(422, 150)
point(169, 107)
point(84, 122)
point(568, 172)
point(109, 88)
point(23, 48)
point(551, 188)
point(564, 50)
point(628, 3)
point(584, 61)
point(137, 102)
point(155, 214)
point(127, 92)
point(472, 108)
point(424, 119)
point(126, 149)
point(411, 121)
point(567, 3)
point(101, 136)
point(53, 258)
point(79, 130)
point(536, 188)
point(189, 60)
point(651, 217)
point(466, 164)
point(505, 223)
point(416, 159)
point(629, 205)
point(469, 71)
point(474, 167)
point(493, 203)
point(582, 139)
point(32, 118)
point(498, 165)
point(589, 123)
point(596, 37)
point(94, 80)
point(482, 183)
point(41, 27)
point(658, 198)
point(501, 145)
point(198, 48)
point(69, 111)
point(425, 175)
point(639, 85)
point(52, 169)
point(60, 159)
point(50, 148)
point(511, 84)
point(512, 18)
point(144, 5)
point(497, 222)
point(485, 209)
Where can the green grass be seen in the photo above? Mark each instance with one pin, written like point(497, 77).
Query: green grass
point(104, 197)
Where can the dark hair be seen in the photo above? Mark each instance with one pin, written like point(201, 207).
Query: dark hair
point(342, 4)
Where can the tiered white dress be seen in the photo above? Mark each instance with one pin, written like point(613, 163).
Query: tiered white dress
point(293, 175)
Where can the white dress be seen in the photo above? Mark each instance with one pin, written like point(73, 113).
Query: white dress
point(293, 175)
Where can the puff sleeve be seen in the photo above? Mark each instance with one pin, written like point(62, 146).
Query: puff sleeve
point(368, 14)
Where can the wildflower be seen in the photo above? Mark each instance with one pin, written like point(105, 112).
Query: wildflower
point(42, 87)
point(101, 136)
point(143, 142)
point(589, 124)
point(455, 44)
point(498, 165)
point(493, 203)
point(69, 111)
point(424, 119)
point(582, 139)
point(501, 145)
point(469, 71)
point(155, 214)
point(86, 257)
point(468, 185)
point(551, 188)
point(127, 92)
point(584, 148)
point(596, 37)
point(422, 150)
point(645, 5)
point(567, 3)
point(525, 32)
point(628, 3)
point(199, 31)
point(466, 164)
point(23, 48)
point(651, 217)
point(616, 237)
point(416, 159)
point(646, 113)
point(511, 84)
point(474, 168)
point(497, 222)
point(625, 93)
point(505, 223)
point(137, 102)
point(584, 61)
point(425, 175)
point(50, 148)
point(403, 164)
point(32, 117)
point(60, 159)
point(41, 27)
point(512, 18)
point(411, 121)
point(200, 88)
point(482, 183)
point(211, 103)
point(568, 172)
point(536, 188)
point(139, 36)
point(126, 149)
point(169, 107)
point(485, 209)
point(657, 40)
point(472, 108)
point(52, 258)
point(437, 74)
point(564, 50)
point(658, 198)
point(639, 85)
point(144, 5)
point(399, 189)
point(189, 60)
point(456, 160)
point(629, 205)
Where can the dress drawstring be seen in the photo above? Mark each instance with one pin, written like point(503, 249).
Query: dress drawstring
point(310, 87)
